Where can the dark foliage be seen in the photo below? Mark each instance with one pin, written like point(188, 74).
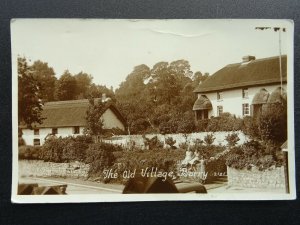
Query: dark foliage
point(29, 152)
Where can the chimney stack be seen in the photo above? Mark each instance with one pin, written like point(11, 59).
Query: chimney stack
point(103, 99)
point(248, 58)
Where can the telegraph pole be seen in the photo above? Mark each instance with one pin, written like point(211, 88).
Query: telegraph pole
point(279, 29)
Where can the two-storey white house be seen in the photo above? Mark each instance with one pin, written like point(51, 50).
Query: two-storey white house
point(68, 118)
point(242, 88)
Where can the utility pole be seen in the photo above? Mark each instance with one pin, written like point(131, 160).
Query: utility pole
point(279, 29)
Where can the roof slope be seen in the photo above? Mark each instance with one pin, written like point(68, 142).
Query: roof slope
point(70, 113)
point(255, 72)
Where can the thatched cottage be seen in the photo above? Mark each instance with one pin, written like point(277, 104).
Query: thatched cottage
point(68, 118)
point(242, 88)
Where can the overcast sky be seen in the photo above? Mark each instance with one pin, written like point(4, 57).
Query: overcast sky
point(109, 49)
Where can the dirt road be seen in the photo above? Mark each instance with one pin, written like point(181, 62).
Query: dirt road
point(76, 186)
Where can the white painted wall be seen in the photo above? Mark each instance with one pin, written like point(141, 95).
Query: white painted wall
point(232, 99)
point(110, 120)
point(28, 135)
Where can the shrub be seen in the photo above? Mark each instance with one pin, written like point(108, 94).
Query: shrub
point(250, 127)
point(21, 141)
point(99, 158)
point(153, 143)
point(29, 152)
point(186, 126)
point(74, 151)
point(171, 142)
point(273, 123)
point(224, 122)
point(87, 139)
point(53, 148)
point(201, 125)
point(164, 160)
point(209, 139)
point(208, 151)
point(251, 154)
point(232, 139)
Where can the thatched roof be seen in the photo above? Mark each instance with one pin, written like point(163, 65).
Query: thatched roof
point(202, 103)
point(253, 73)
point(70, 113)
point(260, 97)
point(277, 97)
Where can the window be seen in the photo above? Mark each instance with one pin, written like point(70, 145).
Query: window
point(54, 130)
point(76, 130)
point(219, 95)
point(36, 141)
point(36, 132)
point(245, 92)
point(246, 111)
point(220, 110)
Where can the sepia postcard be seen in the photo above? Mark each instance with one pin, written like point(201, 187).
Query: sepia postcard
point(111, 110)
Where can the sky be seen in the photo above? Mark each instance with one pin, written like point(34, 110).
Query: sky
point(110, 49)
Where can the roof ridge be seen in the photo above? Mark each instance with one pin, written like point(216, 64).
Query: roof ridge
point(77, 101)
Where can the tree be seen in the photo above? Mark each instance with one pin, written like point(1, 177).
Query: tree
point(83, 84)
point(46, 77)
point(93, 118)
point(66, 87)
point(29, 102)
point(96, 91)
point(155, 99)
point(198, 78)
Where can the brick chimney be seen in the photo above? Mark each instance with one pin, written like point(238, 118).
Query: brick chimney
point(103, 99)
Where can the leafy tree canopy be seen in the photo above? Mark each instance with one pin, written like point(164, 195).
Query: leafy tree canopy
point(29, 95)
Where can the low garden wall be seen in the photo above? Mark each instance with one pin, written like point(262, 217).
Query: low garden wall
point(273, 178)
point(125, 140)
point(39, 168)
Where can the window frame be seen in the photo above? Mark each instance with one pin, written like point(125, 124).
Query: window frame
point(219, 95)
point(36, 132)
point(245, 93)
point(246, 108)
point(76, 130)
point(35, 140)
point(54, 130)
point(218, 110)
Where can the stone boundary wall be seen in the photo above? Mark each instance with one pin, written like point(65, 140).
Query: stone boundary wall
point(39, 168)
point(273, 178)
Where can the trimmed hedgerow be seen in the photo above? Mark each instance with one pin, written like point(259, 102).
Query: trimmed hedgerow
point(254, 154)
point(29, 152)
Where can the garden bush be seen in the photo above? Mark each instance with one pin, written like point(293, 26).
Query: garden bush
point(153, 143)
point(232, 139)
point(224, 122)
point(99, 158)
point(29, 152)
point(254, 154)
point(209, 139)
point(21, 141)
point(201, 125)
point(163, 159)
point(171, 142)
